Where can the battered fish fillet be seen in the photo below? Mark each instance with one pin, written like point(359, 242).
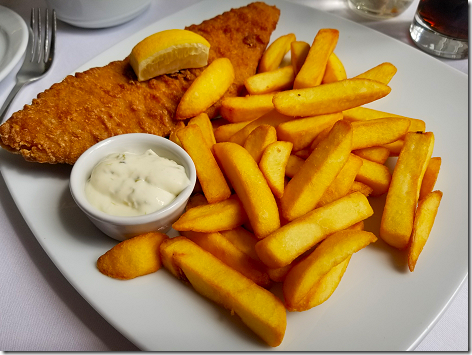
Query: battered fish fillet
point(71, 116)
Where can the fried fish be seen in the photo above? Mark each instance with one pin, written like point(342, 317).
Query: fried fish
point(85, 108)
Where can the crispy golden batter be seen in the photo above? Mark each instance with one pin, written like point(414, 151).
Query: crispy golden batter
point(68, 118)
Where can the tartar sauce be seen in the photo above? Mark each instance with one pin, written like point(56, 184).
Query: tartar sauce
point(128, 184)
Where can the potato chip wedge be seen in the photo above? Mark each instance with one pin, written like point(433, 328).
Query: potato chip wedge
point(402, 197)
point(214, 185)
point(424, 219)
point(133, 257)
point(305, 189)
point(257, 307)
point(251, 187)
point(301, 279)
point(288, 242)
point(227, 252)
point(302, 131)
point(257, 141)
point(430, 177)
point(246, 108)
point(334, 70)
point(213, 217)
point(313, 69)
point(206, 89)
point(383, 73)
point(329, 98)
point(203, 121)
point(298, 51)
point(271, 81)
point(272, 164)
point(274, 54)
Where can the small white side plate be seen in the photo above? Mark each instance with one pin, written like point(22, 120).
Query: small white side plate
point(13, 40)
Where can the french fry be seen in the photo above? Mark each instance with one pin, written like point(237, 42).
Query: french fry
point(375, 175)
point(379, 131)
point(302, 131)
point(271, 81)
point(212, 180)
point(395, 147)
point(272, 164)
point(274, 54)
point(430, 177)
point(334, 70)
point(329, 98)
point(402, 197)
point(305, 189)
point(257, 307)
point(213, 217)
point(301, 279)
point(358, 186)
point(423, 223)
point(375, 154)
point(224, 132)
point(298, 51)
point(227, 252)
point(242, 239)
point(251, 187)
point(296, 237)
point(342, 183)
point(203, 121)
point(246, 108)
point(272, 118)
point(173, 135)
point(294, 164)
point(206, 89)
point(312, 71)
point(257, 141)
point(132, 257)
point(195, 200)
point(383, 73)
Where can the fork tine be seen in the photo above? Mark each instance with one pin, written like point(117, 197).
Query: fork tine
point(46, 36)
point(32, 26)
point(52, 45)
point(39, 35)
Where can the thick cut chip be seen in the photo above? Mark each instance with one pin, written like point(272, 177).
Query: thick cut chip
point(334, 70)
point(242, 239)
point(383, 73)
point(173, 135)
point(257, 141)
point(224, 132)
point(375, 175)
point(424, 220)
point(358, 186)
point(402, 197)
point(213, 217)
point(251, 187)
point(375, 154)
point(258, 308)
point(294, 164)
point(379, 131)
point(272, 118)
point(270, 81)
point(203, 121)
point(302, 131)
point(293, 239)
point(301, 279)
point(227, 252)
point(272, 164)
point(305, 189)
point(133, 257)
point(212, 180)
point(275, 53)
point(206, 89)
point(430, 177)
point(298, 51)
point(246, 108)
point(329, 98)
point(312, 72)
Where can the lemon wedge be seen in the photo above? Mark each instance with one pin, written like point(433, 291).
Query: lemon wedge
point(167, 52)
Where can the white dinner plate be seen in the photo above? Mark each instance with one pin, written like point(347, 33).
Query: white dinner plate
point(379, 304)
point(13, 40)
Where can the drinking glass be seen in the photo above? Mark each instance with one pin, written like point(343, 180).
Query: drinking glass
point(379, 9)
point(440, 27)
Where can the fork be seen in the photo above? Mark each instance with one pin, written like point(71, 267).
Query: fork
point(38, 56)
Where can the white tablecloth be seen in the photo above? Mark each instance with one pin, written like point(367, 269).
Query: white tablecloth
point(39, 309)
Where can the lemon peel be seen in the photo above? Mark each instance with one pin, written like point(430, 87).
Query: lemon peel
point(167, 52)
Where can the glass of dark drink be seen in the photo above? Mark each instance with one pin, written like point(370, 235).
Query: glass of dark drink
point(441, 27)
